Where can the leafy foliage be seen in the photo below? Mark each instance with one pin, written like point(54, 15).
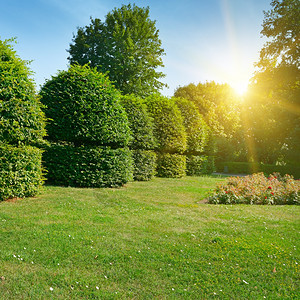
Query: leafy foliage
point(168, 124)
point(140, 123)
point(281, 26)
point(21, 117)
point(22, 123)
point(144, 164)
point(273, 106)
point(126, 45)
point(195, 127)
point(21, 172)
point(197, 165)
point(258, 189)
point(171, 165)
point(88, 166)
point(252, 167)
point(84, 107)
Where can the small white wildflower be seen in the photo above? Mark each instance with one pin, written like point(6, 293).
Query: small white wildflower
point(14, 256)
point(32, 262)
point(34, 250)
point(24, 248)
point(51, 289)
point(105, 276)
point(86, 286)
point(97, 287)
point(245, 282)
point(172, 289)
point(58, 264)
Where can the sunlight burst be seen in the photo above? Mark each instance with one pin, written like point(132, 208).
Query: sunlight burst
point(240, 87)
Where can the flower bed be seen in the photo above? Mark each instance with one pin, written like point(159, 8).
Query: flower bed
point(258, 189)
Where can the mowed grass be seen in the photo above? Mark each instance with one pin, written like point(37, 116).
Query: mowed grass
point(147, 240)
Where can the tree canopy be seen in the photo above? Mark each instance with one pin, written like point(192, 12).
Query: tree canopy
point(126, 45)
point(281, 26)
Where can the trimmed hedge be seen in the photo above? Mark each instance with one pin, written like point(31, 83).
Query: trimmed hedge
point(168, 124)
point(21, 117)
point(140, 123)
point(249, 168)
point(196, 128)
point(22, 123)
point(84, 108)
point(88, 166)
point(198, 165)
point(21, 172)
point(171, 165)
point(144, 164)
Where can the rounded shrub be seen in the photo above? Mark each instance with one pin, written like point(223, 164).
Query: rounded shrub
point(197, 165)
point(140, 123)
point(88, 166)
point(21, 172)
point(84, 108)
point(169, 130)
point(171, 165)
point(195, 127)
point(22, 126)
point(144, 164)
point(141, 126)
point(21, 117)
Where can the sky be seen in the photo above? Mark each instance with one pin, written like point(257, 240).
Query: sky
point(204, 40)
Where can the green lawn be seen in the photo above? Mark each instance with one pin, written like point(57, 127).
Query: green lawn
point(146, 240)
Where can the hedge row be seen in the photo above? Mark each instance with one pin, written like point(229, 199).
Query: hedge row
point(21, 173)
point(197, 165)
point(87, 166)
point(249, 168)
point(22, 125)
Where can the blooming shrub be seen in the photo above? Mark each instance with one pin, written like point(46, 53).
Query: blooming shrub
point(258, 189)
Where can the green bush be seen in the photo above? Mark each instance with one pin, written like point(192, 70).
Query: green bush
point(171, 165)
point(88, 166)
point(22, 123)
point(84, 107)
point(21, 117)
point(252, 167)
point(257, 189)
point(195, 127)
point(140, 123)
point(20, 171)
point(168, 124)
point(197, 165)
point(144, 164)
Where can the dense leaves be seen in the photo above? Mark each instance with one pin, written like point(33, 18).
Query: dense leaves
point(144, 164)
point(281, 26)
point(84, 107)
point(273, 105)
point(21, 117)
point(171, 165)
point(21, 172)
point(22, 123)
point(140, 122)
point(195, 127)
point(88, 166)
point(126, 45)
point(168, 124)
point(197, 165)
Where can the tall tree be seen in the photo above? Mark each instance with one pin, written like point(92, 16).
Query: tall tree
point(274, 101)
point(126, 45)
point(282, 26)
